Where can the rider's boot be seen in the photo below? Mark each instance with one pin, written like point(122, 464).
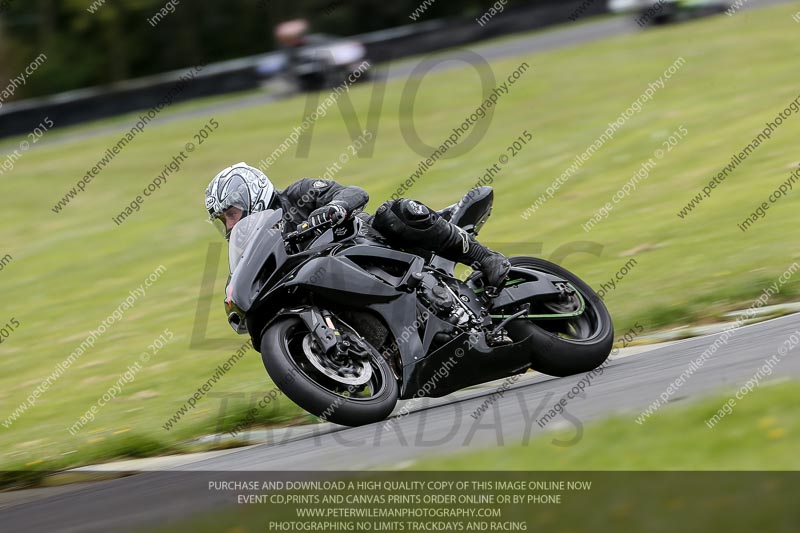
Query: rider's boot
point(411, 223)
point(462, 247)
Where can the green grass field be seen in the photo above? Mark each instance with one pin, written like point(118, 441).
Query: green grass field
point(71, 270)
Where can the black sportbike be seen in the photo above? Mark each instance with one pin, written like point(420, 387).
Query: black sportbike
point(347, 325)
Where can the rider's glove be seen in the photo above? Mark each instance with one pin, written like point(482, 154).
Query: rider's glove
point(331, 212)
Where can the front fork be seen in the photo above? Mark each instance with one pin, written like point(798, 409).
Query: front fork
point(323, 330)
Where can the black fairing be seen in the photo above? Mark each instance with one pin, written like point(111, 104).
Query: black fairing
point(260, 259)
point(274, 276)
point(333, 277)
point(460, 363)
point(474, 209)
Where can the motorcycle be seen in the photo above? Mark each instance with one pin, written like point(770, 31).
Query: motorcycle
point(659, 12)
point(347, 325)
point(322, 62)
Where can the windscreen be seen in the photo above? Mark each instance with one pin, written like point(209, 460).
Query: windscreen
point(248, 229)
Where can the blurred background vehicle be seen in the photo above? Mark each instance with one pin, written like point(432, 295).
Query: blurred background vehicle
point(657, 12)
point(312, 62)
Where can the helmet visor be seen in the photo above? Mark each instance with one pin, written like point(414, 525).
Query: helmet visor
point(229, 218)
point(220, 226)
point(234, 206)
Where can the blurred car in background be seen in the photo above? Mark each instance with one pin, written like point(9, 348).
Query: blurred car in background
point(657, 12)
point(311, 62)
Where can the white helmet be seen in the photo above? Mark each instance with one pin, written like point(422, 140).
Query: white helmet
point(241, 186)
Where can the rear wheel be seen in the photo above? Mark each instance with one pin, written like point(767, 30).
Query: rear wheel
point(352, 387)
point(569, 341)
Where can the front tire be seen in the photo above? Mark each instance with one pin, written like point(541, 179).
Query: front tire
point(569, 346)
point(303, 383)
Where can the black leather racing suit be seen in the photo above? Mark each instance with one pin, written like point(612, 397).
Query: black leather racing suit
point(403, 223)
point(302, 197)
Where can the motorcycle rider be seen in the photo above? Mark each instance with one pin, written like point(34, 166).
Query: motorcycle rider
point(241, 190)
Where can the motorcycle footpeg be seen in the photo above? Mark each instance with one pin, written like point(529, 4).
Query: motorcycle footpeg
point(498, 338)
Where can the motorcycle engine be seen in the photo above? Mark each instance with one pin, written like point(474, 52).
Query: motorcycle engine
point(442, 301)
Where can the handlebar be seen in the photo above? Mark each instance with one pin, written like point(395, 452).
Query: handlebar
point(307, 229)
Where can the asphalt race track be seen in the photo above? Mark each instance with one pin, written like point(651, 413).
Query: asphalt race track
point(627, 385)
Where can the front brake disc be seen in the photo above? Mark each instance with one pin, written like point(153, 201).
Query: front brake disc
point(356, 372)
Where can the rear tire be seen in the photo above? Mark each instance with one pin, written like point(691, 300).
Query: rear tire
point(304, 385)
point(556, 354)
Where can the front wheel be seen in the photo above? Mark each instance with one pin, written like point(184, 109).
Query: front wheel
point(352, 388)
point(566, 342)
